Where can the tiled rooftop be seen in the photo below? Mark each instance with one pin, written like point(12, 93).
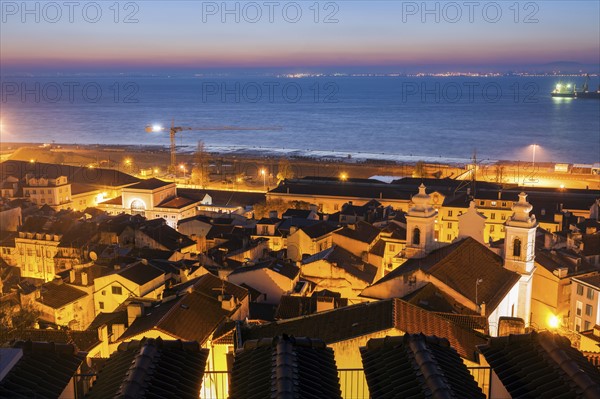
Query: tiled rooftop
point(284, 367)
point(43, 371)
point(152, 368)
point(416, 366)
point(542, 365)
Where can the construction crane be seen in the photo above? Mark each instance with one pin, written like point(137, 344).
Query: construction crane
point(173, 130)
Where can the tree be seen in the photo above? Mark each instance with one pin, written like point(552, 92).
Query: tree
point(419, 170)
point(499, 174)
point(285, 170)
point(200, 174)
point(262, 209)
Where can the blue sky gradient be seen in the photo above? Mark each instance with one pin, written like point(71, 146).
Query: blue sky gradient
point(372, 36)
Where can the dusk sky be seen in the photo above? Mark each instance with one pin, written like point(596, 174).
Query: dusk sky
point(369, 36)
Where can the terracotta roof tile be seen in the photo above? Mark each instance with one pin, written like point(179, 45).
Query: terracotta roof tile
point(43, 371)
point(542, 365)
point(152, 368)
point(416, 366)
point(284, 367)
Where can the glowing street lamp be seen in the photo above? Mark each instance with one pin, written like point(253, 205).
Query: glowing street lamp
point(343, 176)
point(263, 172)
point(182, 167)
point(477, 282)
point(553, 322)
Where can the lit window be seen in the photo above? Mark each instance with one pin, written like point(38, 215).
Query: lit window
point(578, 307)
point(493, 203)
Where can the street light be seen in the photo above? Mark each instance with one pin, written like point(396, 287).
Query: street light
point(553, 322)
point(182, 167)
point(263, 172)
point(477, 282)
point(343, 176)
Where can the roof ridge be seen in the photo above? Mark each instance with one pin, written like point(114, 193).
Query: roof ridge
point(142, 366)
point(567, 365)
point(431, 374)
point(285, 365)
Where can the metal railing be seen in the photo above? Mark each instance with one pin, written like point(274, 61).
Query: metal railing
point(353, 383)
point(215, 385)
point(483, 378)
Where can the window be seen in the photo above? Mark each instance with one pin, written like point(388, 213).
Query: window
point(450, 213)
point(586, 326)
point(577, 324)
point(590, 293)
point(103, 292)
point(336, 207)
point(416, 236)
point(588, 310)
point(449, 237)
point(492, 228)
point(493, 215)
point(449, 225)
point(578, 307)
point(117, 290)
point(503, 217)
point(481, 203)
point(392, 248)
point(517, 248)
point(579, 289)
point(101, 305)
point(265, 230)
point(504, 203)
point(493, 203)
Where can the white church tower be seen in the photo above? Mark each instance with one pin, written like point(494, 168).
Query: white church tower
point(420, 225)
point(519, 251)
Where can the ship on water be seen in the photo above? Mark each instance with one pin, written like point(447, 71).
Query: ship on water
point(570, 91)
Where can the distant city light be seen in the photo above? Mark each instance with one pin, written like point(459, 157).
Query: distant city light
point(343, 176)
point(157, 128)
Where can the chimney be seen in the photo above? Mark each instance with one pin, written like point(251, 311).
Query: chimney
point(227, 302)
point(134, 310)
point(482, 309)
point(325, 303)
point(84, 278)
point(72, 276)
point(117, 331)
point(500, 194)
point(103, 338)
